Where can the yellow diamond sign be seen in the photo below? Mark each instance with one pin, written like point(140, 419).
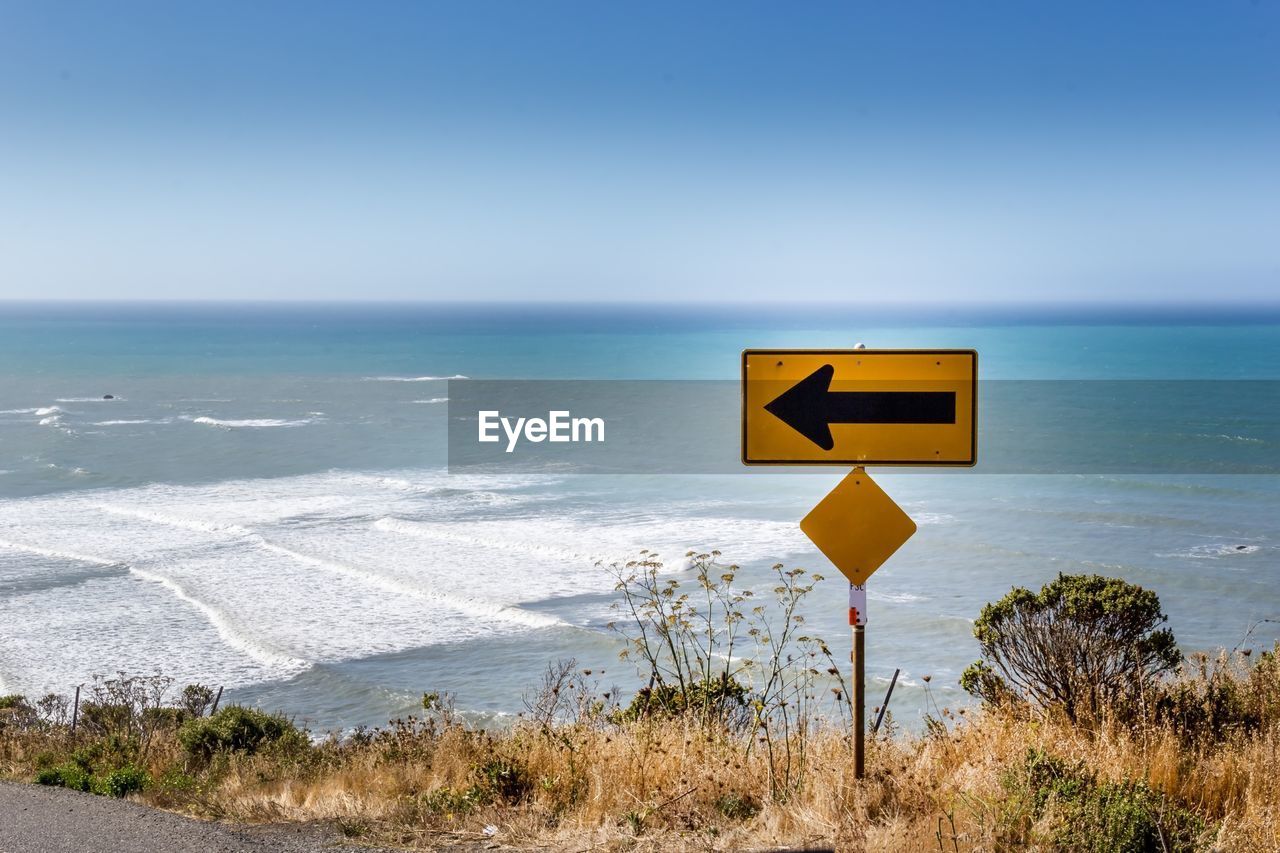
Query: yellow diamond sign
point(857, 527)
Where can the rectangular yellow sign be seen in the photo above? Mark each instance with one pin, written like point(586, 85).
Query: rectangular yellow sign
point(859, 407)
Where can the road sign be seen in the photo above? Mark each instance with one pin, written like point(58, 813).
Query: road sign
point(857, 527)
point(859, 407)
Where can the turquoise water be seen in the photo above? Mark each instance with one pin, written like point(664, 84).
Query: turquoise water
point(265, 504)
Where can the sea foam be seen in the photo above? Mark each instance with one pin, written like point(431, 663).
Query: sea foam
point(251, 422)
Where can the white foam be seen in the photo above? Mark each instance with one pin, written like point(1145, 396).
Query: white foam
point(262, 576)
point(133, 625)
point(895, 597)
point(89, 400)
point(1213, 552)
point(52, 420)
point(251, 423)
point(413, 378)
point(31, 411)
point(432, 400)
point(125, 422)
point(490, 535)
point(48, 410)
point(174, 521)
point(470, 605)
point(231, 634)
point(55, 554)
point(1240, 439)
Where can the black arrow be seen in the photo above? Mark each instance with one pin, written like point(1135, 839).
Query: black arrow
point(810, 407)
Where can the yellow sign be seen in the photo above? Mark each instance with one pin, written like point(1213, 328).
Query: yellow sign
point(859, 407)
point(857, 527)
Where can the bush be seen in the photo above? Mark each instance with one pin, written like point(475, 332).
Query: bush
point(718, 698)
point(504, 780)
point(69, 775)
point(195, 699)
point(1089, 815)
point(738, 806)
point(16, 712)
point(1216, 698)
point(713, 653)
point(121, 781)
point(160, 719)
point(1085, 643)
point(239, 729)
point(450, 803)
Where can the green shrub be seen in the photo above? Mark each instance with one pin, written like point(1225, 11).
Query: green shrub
point(1085, 644)
point(121, 781)
point(1217, 698)
point(505, 780)
point(106, 718)
point(195, 699)
point(450, 803)
point(715, 698)
point(13, 700)
point(1102, 817)
point(69, 775)
point(239, 729)
point(160, 719)
point(737, 806)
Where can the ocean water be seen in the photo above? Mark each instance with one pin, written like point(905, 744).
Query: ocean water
point(265, 504)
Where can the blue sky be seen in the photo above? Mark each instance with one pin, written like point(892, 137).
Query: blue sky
point(917, 151)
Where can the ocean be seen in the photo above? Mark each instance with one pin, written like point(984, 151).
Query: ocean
point(265, 503)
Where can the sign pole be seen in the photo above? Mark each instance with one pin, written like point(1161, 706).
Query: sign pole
point(858, 655)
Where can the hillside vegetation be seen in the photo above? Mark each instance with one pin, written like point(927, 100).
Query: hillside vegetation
point(1093, 733)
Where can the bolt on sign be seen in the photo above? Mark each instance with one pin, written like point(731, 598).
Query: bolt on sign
point(859, 407)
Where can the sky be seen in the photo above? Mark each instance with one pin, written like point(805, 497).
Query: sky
point(750, 151)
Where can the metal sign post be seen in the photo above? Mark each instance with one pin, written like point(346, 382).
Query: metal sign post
point(858, 623)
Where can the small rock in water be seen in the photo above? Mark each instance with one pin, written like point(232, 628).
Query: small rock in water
point(108, 396)
point(1242, 547)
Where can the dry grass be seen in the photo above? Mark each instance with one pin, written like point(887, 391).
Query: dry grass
point(673, 784)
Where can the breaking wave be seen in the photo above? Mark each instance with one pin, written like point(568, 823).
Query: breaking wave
point(249, 423)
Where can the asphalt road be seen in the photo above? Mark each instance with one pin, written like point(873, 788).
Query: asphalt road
point(38, 819)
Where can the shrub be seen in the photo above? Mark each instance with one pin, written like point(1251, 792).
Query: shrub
point(16, 712)
point(449, 803)
point(69, 775)
point(121, 781)
point(1216, 697)
point(195, 699)
point(738, 806)
point(504, 779)
point(239, 729)
point(720, 698)
point(1084, 643)
point(1089, 815)
point(713, 653)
